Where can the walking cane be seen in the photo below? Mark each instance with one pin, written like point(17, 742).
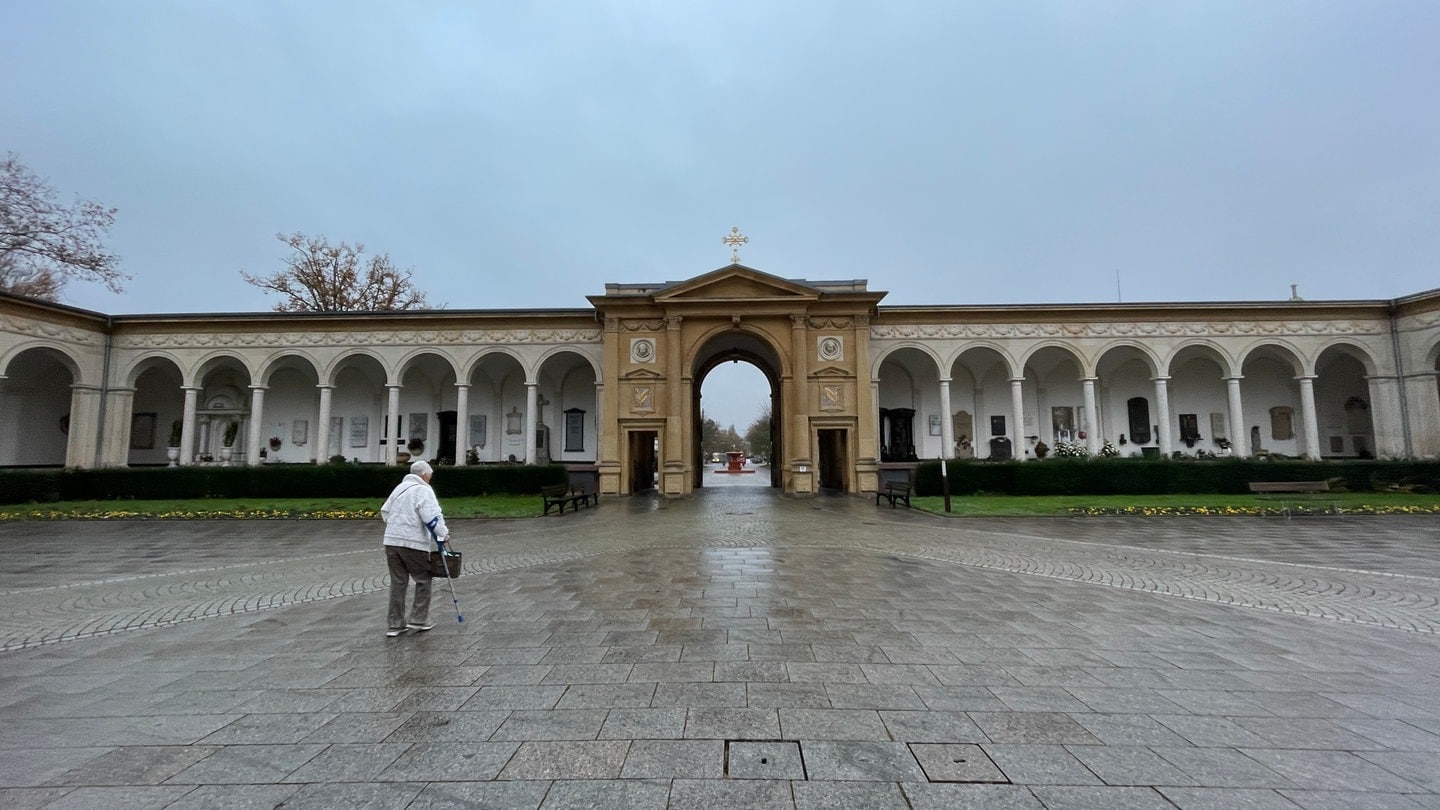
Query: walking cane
point(459, 617)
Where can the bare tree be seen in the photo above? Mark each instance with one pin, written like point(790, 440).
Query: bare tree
point(321, 277)
point(758, 433)
point(44, 244)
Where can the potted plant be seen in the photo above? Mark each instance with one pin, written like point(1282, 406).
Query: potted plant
point(172, 447)
point(227, 441)
point(274, 448)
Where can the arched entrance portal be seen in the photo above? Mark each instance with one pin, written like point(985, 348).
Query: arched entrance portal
point(736, 346)
point(810, 340)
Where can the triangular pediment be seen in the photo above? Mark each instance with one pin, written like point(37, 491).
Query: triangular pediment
point(642, 375)
point(831, 371)
point(737, 283)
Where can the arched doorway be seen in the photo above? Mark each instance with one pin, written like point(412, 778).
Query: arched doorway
point(736, 346)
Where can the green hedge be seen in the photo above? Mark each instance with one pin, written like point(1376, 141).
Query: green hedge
point(264, 481)
point(1114, 476)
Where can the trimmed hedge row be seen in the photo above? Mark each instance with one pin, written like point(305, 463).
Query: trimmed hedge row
point(264, 481)
point(1108, 476)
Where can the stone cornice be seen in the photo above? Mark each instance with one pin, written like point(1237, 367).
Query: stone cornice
point(497, 337)
point(1110, 330)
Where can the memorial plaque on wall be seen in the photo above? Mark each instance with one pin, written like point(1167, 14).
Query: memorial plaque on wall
point(997, 426)
point(574, 430)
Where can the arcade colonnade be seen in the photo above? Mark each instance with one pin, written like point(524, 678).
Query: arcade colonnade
point(855, 387)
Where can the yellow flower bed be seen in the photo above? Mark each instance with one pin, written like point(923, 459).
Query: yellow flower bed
point(238, 514)
point(1299, 509)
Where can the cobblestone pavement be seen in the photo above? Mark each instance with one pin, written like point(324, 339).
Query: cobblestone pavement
point(736, 649)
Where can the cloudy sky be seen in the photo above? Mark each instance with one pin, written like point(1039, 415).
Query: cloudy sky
point(523, 154)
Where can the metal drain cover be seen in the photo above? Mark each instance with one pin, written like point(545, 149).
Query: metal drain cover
point(956, 762)
point(763, 759)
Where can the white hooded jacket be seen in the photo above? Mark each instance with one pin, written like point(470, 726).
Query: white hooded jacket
point(407, 512)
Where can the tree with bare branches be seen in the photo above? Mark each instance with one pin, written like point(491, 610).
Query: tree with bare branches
point(321, 277)
point(43, 243)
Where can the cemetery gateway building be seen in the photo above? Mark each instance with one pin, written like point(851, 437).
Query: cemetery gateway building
point(855, 386)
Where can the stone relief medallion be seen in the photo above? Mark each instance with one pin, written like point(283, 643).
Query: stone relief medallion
point(642, 350)
point(831, 348)
point(642, 400)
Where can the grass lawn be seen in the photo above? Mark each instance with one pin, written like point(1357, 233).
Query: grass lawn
point(1343, 502)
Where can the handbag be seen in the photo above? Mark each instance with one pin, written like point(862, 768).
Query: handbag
point(446, 565)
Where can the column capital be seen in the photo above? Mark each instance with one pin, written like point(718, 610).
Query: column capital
point(253, 387)
point(1307, 378)
point(325, 386)
point(672, 322)
point(1233, 377)
point(1159, 379)
point(1016, 380)
point(945, 380)
point(1091, 380)
point(462, 385)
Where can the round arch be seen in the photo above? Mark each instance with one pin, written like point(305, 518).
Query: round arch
point(39, 401)
point(736, 343)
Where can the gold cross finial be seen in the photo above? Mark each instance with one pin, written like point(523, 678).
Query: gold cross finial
point(735, 240)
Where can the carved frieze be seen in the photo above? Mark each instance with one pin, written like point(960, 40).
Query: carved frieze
point(342, 339)
point(1126, 329)
point(48, 330)
point(642, 325)
point(832, 323)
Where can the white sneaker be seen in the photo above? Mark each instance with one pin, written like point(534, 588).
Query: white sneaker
point(394, 631)
point(420, 628)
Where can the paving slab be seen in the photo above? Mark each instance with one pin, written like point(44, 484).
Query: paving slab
point(608, 657)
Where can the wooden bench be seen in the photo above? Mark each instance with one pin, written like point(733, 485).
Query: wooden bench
point(1292, 492)
point(584, 496)
point(894, 491)
point(1289, 486)
point(557, 495)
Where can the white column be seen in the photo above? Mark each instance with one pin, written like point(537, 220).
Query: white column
point(83, 442)
point(1239, 434)
point(1311, 450)
point(532, 420)
point(1092, 417)
point(322, 429)
point(462, 423)
point(257, 424)
point(1162, 413)
point(947, 426)
point(1017, 408)
point(115, 434)
point(1422, 402)
point(393, 427)
point(879, 425)
point(187, 427)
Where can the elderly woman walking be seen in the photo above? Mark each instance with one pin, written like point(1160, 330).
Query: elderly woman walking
point(413, 525)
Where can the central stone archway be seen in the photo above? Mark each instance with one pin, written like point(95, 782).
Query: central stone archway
point(737, 345)
point(809, 338)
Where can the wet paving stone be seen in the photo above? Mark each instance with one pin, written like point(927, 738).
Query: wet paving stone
point(870, 658)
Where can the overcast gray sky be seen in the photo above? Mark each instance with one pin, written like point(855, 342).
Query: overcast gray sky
point(523, 154)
